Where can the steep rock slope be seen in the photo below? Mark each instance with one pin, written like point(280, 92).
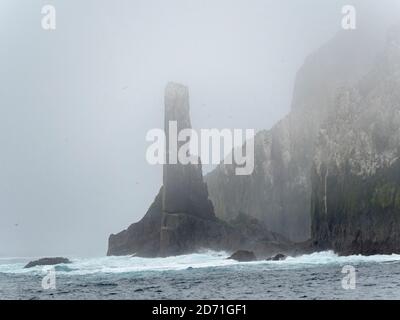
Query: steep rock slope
point(279, 190)
point(356, 173)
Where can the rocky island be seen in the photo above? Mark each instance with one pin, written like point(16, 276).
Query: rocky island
point(47, 262)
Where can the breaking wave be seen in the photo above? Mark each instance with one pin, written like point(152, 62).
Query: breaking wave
point(128, 264)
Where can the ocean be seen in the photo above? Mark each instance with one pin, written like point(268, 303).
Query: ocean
point(206, 275)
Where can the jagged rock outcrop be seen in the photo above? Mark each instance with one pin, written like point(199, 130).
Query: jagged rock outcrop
point(181, 218)
point(356, 173)
point(47, 262)
point(278, 192)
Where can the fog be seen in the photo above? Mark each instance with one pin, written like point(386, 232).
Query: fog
point(76, 102)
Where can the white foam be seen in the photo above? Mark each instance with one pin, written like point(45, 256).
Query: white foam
point(206, 259)
point(130, 264)
point(329, 257)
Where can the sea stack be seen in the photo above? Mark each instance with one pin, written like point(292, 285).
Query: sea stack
point(181, 218)
point(187, 213)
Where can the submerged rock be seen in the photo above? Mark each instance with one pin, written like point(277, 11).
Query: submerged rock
point(243, 256)
point(47, 262)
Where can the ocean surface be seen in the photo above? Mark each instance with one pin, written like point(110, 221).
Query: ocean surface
point(206, 275)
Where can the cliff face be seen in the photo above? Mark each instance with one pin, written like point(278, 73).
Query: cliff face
point(181, 218)
point(356, 172)
point(279, 190)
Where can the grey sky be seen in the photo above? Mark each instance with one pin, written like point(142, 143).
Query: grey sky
point(76, 103)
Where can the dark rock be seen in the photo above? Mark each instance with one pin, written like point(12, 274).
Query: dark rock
point(141, 238)
point(47, 262)
point(253, 228)
point(277, 257)
point(243, 256)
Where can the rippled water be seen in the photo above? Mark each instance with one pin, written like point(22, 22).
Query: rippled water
point(207, 275)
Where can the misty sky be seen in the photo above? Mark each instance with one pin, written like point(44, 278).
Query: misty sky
point(76, 103)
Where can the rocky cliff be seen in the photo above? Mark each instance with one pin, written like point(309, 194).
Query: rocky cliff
point(356, 172)
point(279, 190)
point(328, 171)
point(181, 218)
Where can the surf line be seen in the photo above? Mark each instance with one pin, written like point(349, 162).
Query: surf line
point(164, 310)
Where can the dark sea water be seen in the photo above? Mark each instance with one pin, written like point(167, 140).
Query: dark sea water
point(207, 275)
